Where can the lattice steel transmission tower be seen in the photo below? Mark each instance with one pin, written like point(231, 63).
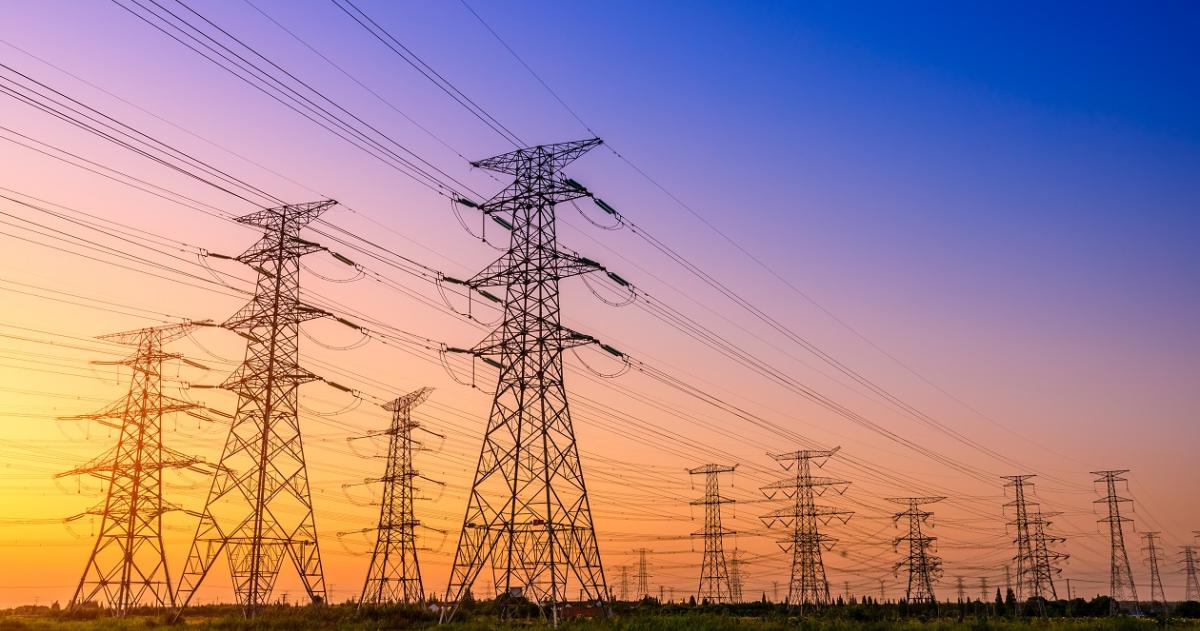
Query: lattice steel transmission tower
point(259, 508)
point(961, 588)
point(1120, 583)
point(623, 584)
point(394, 575)
point(528, 513)
point(643, 574)
point(737, 576)
point(924, 566)
point(1151, 550)
point(714, 571)
point(1192, 589)
point(128, 566)
point(808, 584)
point(1035, 559)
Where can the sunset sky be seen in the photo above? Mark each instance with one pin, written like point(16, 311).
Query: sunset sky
point(988, 214)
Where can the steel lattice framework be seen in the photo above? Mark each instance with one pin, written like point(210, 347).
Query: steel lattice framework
point(395, 575)
point(1120, 582)
point(1035, 559)
point(715, 584)
point(924, 565)
point(643, 574)
point(259, 508)
point(1158, 599)
point(1192, 589)
point(528, 513)
point(808, 584)
point(128, 567)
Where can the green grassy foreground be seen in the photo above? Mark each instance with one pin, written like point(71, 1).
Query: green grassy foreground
point(670, 618)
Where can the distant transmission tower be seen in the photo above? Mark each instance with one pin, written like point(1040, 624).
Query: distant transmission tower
point(1192, 591)
point(128, 567)
point(924, 566)
point(1157, 597)
point(1036, 561)
point(395, 575)
point(736, 577)
point(961, 588)
point(714, 572)
point(259, 509)
point(808, 584)
point(624, 583)
point(643, 574)
point(528, 517)
point(1121, 585)
point(983, 589)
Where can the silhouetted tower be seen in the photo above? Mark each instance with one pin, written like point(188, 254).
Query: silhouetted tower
point(128, 567)
point(643, 574)
point(1120, 583)
point(714, 571)
point(736, 577)
point(924, 566)
point(1192, 590)
point(624, 583)
point(259, 508)
point(1035, 559)
point(983, 589)
point(1157, 597)
point(528, 513)
point(961, 588)
point(395, 575)
point(808, 584)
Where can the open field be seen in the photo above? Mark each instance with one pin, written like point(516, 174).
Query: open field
point(345, 617)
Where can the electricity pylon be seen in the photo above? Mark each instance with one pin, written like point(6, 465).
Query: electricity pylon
point(528, 513)
point(643, 574)
point(714, 571)
point(128, 566)
point(1120, 582)
point(961, 588)
point(924, 566)
point(1035, 559)
point(983, 589)
point(1192, 591)
point(623, 589)
point(808, 584)
point(259, 509)
point(737, 577)
point(1157, 597)
point(394, 575)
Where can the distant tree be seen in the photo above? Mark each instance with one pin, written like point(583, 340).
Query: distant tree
point(764, 598)
point(692, 601)
point(1000, 611)
point(1010, 602)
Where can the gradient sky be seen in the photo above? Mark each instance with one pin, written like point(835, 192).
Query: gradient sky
point(1004, 199)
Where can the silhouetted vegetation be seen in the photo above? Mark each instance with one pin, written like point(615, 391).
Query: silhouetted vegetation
point(1002, 614)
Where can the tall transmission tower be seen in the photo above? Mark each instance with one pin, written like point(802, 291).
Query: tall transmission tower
point(737, 577)
point(394, 575)
point(1120, 583)
point(714, 571)
point(1192, 591)
point(127, 567)
point(528, 512)
point(983, 589)
point(924, 566)
point(1157, 597)
point(643, 574)
point(1035, 559)
point(624, 583)
point(808, 584)
point(961, 588)
point(259, 508)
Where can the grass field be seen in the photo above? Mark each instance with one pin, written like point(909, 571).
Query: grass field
point(345, 617)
